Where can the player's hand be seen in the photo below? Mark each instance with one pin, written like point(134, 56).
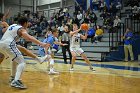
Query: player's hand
point(64, 44)
point(43, 44)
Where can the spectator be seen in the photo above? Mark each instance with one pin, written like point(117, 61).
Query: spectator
point(128, 44)
point(61, 29)
point(79, 16)
point(38, 30)
point(115, 24)
point(75, 21)
point(91, 33)
point(101, 6)
point(116, 21)
point(98, 34)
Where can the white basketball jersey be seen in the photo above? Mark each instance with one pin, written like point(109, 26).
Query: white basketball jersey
point(11, 34)
point(75, 40)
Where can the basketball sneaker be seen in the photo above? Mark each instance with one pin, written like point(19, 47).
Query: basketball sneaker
point(91, 68)
point(11, 79)
point(42, 59)
point(18, 84)
point(71, 69)
point(53, 72)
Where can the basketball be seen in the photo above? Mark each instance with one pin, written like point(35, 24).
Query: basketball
point(84, 27)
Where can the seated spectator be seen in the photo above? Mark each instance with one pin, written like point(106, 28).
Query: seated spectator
point(61, 29)
point(86, 18)
point(98, 34)
point(119, 5)
point(91, 33)
point(38, 30)
point(115, 24)
point(79, 16)
point(136, 12)
point(116, 21)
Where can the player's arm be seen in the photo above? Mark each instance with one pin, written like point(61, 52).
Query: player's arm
point(28, 37)
point(59, 43)
point(4, 26)
point(84, 36)
point(73, 32)
point(6, 15)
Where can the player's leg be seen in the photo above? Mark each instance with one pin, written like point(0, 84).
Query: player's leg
point(19, 70)
point(1, 57)
point(51, 60)
point(15, 56)
point(73, 60)
point(64, 54)
point(30, 54)
point(13, 71)
point(26, 51)
point(70, 56)
point(86, 60)
point(81, 53)
point(13, 66)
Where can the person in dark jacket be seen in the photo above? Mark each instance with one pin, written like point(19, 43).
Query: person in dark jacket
point(66, 39)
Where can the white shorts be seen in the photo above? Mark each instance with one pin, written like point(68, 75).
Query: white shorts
point(11, 51)
point(77, 50)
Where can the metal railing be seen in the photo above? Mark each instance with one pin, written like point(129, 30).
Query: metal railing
point(115, 36)
point(134, 24)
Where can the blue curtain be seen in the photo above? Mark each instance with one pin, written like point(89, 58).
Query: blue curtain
point(107, 3)
point(91, 5)
point(83, 3)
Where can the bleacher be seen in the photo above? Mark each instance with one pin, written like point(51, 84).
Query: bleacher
point(110, 41)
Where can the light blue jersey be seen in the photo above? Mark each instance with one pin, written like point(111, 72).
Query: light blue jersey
point(50, 40)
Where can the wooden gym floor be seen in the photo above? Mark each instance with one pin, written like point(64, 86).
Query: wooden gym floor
point(109, 77)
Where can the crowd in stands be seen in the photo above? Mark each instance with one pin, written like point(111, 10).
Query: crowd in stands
point(41, 24)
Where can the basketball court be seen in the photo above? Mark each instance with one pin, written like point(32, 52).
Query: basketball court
point(109, 77)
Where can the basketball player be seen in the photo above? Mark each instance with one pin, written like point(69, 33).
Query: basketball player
point(3, 28)
point(50, 40)
point(75, 46)
point(8, 47)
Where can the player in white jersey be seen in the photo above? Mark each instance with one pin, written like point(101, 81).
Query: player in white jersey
point(8, 47)
point(3, 28)
point(75, 46)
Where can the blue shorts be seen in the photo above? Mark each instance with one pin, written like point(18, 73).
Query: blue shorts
point(41, 52)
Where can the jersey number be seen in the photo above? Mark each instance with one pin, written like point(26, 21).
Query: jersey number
point(76, 39)
point(11, 28)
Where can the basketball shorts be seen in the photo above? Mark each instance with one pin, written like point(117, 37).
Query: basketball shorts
point(11, 51)
point(42, 52)
point(77, 50)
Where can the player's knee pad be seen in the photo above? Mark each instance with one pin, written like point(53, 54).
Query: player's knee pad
point(19, 59)
point(22, 65)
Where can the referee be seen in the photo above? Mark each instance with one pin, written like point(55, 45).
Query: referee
point(66, 40)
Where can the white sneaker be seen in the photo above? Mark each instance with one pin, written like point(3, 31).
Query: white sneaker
point(18, 84)
point(91, 68)
point(53, 73)
point(42, 59)
point(71, 69)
